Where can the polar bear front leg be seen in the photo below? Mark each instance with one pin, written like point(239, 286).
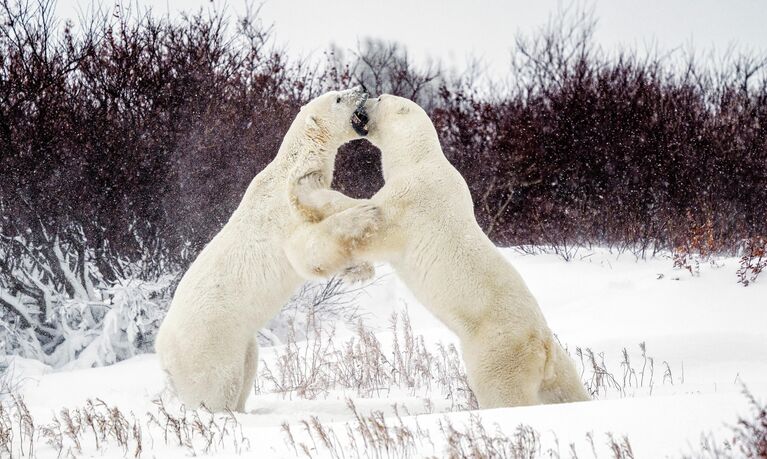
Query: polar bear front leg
point(340, 224)
point(353, 228)
point(359, 272)
point(354, 225)
point(320, 250)
point(314, 201)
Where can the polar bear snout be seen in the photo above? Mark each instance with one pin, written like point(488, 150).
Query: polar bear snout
point(360, 120)
point(360, 116)
point(356, 95)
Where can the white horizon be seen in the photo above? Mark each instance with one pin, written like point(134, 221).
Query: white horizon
point(464, 32)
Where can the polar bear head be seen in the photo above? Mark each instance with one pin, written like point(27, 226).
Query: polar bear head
point(329, 116)
point(396, 121)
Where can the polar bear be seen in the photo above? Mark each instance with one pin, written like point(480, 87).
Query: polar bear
point(430, 236)
point(241, 279)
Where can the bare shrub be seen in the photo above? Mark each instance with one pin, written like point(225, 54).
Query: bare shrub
point(6, 431)
point(748, 436)
point(303, 367)
point(103, 129)
point(753, 261)
point(60, 306)
point(108, 128)
point(611, 149)
point(751, 434)
point(581, 146)
point(699, 245)
point(316, 301)
point(10, 378)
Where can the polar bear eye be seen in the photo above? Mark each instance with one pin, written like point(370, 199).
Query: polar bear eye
point(338, 100)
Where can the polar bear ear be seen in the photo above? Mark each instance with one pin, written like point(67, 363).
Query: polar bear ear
point(403, 110)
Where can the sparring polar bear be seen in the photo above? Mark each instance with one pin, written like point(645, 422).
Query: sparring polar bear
point(429, 235)
point(241, 279)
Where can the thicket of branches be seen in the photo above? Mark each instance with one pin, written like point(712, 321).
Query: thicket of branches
point(127, 141)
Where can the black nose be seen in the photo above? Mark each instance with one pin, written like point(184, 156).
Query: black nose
point(360, 120)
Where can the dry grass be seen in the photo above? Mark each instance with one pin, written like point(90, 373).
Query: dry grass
point(97, 428)
point(199, 431)
point(602, 381)
point(10, 378)
point(361, 365)
point(748, 436)
point(364, 365)
point(376, 436)
point(367, 435)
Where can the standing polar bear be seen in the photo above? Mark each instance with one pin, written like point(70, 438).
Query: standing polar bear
point(241, 279)
point(429, 235)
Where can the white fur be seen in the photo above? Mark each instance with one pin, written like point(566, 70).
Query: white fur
point(430, 236)
point(241, 279)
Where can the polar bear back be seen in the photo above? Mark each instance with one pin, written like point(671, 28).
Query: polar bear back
point(446, 259)
point(238, 266)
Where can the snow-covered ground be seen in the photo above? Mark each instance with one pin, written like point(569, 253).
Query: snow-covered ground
point(704, 339)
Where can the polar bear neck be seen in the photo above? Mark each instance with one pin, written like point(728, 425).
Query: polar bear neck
point(399, 154)
point(309, 146)
point(304, 149)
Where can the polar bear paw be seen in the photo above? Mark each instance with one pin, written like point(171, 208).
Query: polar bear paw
point(357, 223)
point(362, 272)
point(313, 179)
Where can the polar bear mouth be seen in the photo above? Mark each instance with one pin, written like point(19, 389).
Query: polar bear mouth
point(360, 117)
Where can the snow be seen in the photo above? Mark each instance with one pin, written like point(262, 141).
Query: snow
point(707, 330)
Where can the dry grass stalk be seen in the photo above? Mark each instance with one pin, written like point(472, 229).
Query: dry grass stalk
point(314, 367)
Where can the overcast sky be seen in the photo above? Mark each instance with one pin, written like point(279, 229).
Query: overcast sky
point(456, 31)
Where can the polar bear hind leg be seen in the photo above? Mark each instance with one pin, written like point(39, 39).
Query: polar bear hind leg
point(564, 385)
point(505, 372)
point(249, 373)
point(219, 387)
point(215, 382)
